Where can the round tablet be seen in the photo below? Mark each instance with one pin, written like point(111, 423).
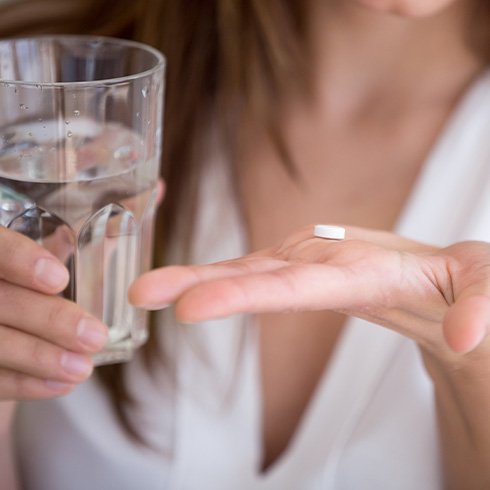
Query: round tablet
point(329, 231)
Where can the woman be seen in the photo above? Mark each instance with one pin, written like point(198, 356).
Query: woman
point(370, 113)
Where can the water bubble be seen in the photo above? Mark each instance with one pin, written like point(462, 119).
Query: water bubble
point(23, 107)
point(69, 134)
point(144, 91)
point(76, 113)
point(67, 122)
point(29, 134)
point(40, 119)
point(137, 114)
point(123, 152)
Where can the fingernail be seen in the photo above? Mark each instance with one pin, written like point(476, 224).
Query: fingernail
point(92, 333)
point(51, 273)
point(57, 385)
point(75, 364)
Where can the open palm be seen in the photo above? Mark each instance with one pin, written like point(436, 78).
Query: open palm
point(423, 292)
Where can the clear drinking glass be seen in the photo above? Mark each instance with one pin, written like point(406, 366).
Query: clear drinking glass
point(80, 143)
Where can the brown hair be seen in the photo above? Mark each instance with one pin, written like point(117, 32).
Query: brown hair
point(229, 61)
point(30, 17)
point(221, 55)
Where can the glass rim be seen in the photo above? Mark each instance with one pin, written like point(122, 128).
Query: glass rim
point(159, 65)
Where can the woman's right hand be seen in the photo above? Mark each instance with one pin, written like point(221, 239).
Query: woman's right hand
point(45, 340)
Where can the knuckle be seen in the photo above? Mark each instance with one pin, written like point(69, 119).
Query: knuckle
point(23, 359)
point(7, 391)
point(21, 386)
point(40, 357)
point(57, 312)
point(10, 254)
point(13, 386)
point(5, 292)
point(63, 318)
point(13, 244)
point(60, 322)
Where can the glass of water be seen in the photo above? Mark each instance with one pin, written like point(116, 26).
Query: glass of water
point(80, 144)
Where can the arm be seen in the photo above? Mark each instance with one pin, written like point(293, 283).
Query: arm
point(462, 382)
point(438, 297)
point(463, 409)
point(43, 350)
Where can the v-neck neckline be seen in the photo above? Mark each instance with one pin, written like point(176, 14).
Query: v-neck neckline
point(233, 437)
point(373, 347)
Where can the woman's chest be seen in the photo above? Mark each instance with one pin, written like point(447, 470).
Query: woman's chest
point(358, 173)
point(356, 179)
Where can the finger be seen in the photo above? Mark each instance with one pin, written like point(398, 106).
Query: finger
point(24, 262)
point(52, 318)
point(18, 386)
point(297, 287)
point(160, 287)
point(161, 188)
point(61, 243)
point(467, 323)
point(36, 357)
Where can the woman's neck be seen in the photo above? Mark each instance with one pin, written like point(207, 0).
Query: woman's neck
point(361, 56)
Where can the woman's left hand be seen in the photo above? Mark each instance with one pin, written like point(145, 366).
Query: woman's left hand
point(438, 297)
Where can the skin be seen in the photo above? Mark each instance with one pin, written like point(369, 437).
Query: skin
point(407, 8)
point(386, 113)
point(445, 305)
point(438, 297)
point(368, 125)
point(45, 348)
point(374, 275)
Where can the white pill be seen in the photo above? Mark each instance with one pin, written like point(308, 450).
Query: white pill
point(329, 231)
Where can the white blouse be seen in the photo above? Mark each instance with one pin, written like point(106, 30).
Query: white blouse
point(371, 422)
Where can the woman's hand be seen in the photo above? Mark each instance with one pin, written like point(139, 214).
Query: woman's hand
point(45, 340)
point(438, 297)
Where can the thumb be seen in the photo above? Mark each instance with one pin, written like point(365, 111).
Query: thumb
point(467, 323)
